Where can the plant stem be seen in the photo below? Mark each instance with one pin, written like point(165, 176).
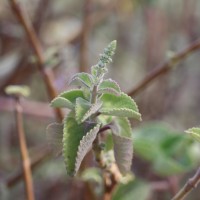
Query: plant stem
point(24, 153)
point(94, 95)
point(188, 187)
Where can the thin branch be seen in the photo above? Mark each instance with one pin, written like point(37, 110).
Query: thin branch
point(24, 153)
point(39, 156)
point(165, 67)
point(188, 187)
point(86, 26)
point(36, 46)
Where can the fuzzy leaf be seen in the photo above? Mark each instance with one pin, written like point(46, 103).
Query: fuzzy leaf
point(82, 79)
point(109, 86)
point(85, 145)
point(122, 106)
point(195, 133)
point(123, 152)
point(67, 99)
point(84, 109)
point(74, 141)
point(123, 145)
point(54, 136)
point(123, 126)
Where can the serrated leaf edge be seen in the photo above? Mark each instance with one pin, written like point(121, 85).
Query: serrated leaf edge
point(129, 163)
point(93, 109)
point(113, 81)
point(76, 77)
point(79, 120)
point(109, 91)
point(136, 115)
point(93, 132)
point(70, 104)
point(68, 91)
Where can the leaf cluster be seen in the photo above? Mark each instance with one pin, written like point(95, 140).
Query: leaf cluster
point(96, 104)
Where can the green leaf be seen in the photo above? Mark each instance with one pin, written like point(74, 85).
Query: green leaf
point(123, 152)
point(54, 137)
point(122, 106)
point(67, 99)
point(82, 79)
point(74, 142)
point(123, 145)
point(195, 133)
point(163, 148)
point(84, 109)
point(85, 145)
point(109, 86)
point(122, 126)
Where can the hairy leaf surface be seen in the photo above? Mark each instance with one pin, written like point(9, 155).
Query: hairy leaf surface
point(123, 145)
point(109, 86)
point(85, 145)
point(73, 135)
point(82, 79)
point(54, 136)
point(85, 109)
point(122, 106)
point(67, 99)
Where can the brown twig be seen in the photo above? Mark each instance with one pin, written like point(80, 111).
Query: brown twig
point(165, 67)
point(39, 156)
point(24, 152)
point(86, 26)
point(188, 187)
point(35, 43)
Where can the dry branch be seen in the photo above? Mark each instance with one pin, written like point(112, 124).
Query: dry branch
point(165, 67)
point(188, 187)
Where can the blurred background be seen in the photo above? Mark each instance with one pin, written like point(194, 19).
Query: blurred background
point(72, 34)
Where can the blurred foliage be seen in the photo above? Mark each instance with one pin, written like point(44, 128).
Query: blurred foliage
point(133, 189)
point(163, 148)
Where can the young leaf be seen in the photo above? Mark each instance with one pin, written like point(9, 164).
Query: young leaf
point(67, 99)
point(123, 147)
point(54, 136)
point(122, 126)
point(82, 79)
point(85, 145)
point(195, 133)
point(84, 109)
point(72, 137)
point(122, 106)
point(109, 86)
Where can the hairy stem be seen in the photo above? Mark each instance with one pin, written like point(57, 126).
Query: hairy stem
point(188, 187)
